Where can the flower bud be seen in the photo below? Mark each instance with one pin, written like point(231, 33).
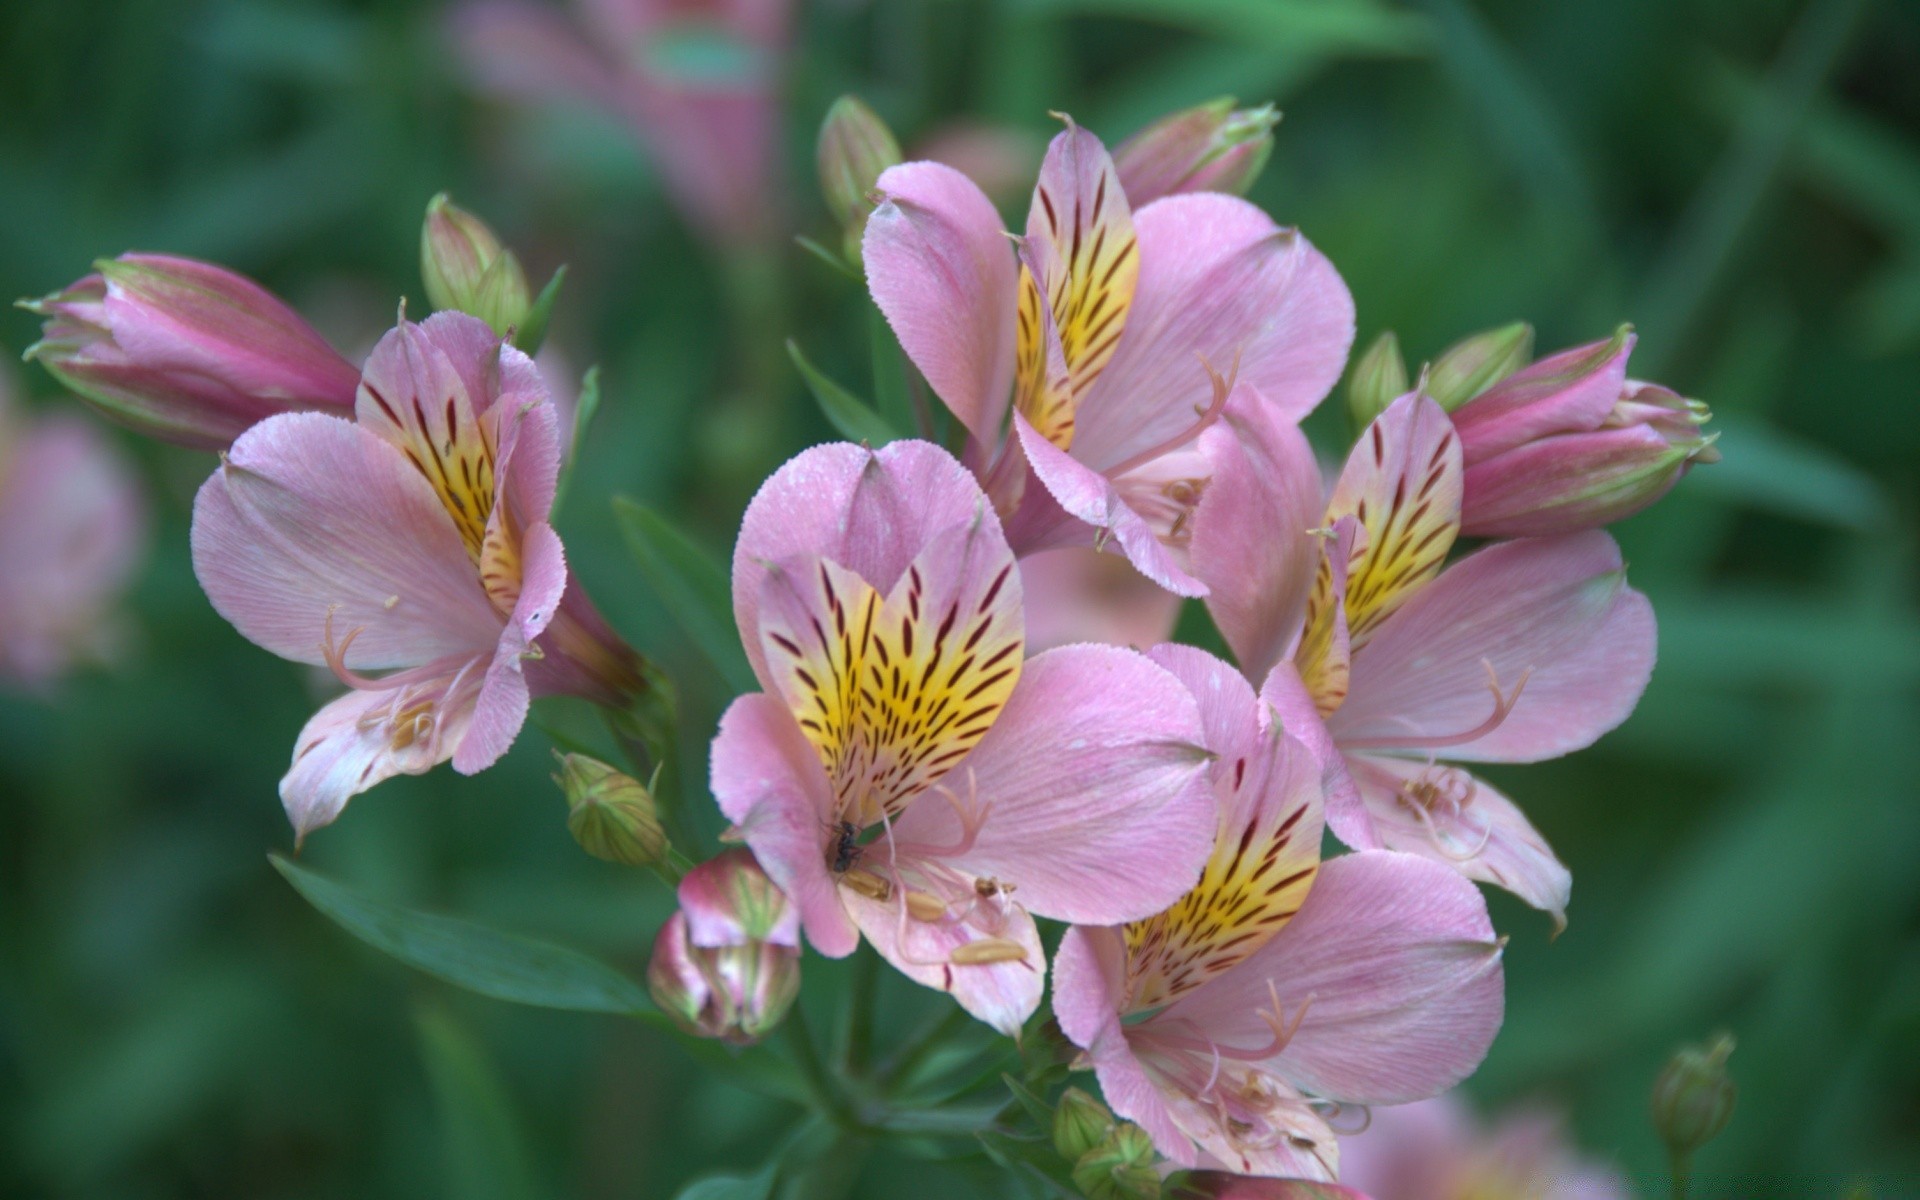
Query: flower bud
point(1570, 443)
point(186, 351)
point(727, 965)
point(1121, 1167)
point(611, 815)
point(855, 146)
point(1379, 378)
point(469, 270)
point(1693, 1098)
point(1212, 147)
point(1080, 1123)
point(1472, 365)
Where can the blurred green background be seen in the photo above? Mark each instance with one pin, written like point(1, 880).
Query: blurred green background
point(1740, 178)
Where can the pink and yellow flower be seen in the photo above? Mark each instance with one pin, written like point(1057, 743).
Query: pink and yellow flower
point(1280, 987)
point(1439, 1150)
point(412, 539)
point(1520, 651)
point(908, 775)
point(1107, 332)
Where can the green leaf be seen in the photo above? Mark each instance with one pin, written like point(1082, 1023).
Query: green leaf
point(852, 416)
point(1037, 1108)
point(839, 264)
point(890, 375)
point(1362, 27)
point(533, 331)
point(691, 585)
point(1769, 468)
point(501, 965)
point(757, 1186)
point(485, 1144)
point(583, 413)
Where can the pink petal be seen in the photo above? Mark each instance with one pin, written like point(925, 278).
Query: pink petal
point(1215, 1185)
point(1251, 544)
point(1091, 497)
point(1082, 595)
point(1230, 724)
point(502, 705)
point(1218, 280)
point(1574, 389)
point(531, 51)
point(1403, 971)
point(768, 781)
point(1296, 713)
point(1411, 1149)
point(871, 511)
point(1558, 608)
point(1003, 994)
point(1094, 782)
point(1489, 840)
point(311, 515)
point(941, 269)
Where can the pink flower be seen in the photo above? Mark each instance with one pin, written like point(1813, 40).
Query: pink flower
point(1280, 988)
point(414, 539)
point(1112, 378)
point(1521, 651)
point(1211, 147)
point(72, 529)
point(727, 962)
point(695, 80)
point(186, 351)
point(881, 609)
point(1438, 1150)
point(1570, 443)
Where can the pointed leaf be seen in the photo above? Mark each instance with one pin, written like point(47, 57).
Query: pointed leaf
point(692, 586)
point(852, 416)
point(486, 1145)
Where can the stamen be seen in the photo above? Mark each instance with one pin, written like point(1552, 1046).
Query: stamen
point(925, 906)
point(971, 813)
point(1222, 388)
point(987, 950)
point(1502, 709)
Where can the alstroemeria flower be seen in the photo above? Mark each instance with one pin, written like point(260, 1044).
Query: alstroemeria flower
point(1281, 986)
point(695, 81)
point(413, 538)
point(1521, 651)
point(72, 530)
point(1110, 333)
point(1439, 1150)
point(881, 608)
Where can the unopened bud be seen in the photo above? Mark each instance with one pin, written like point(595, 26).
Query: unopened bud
point(855, 146)
point(1379, 378)
point(1693, 1098)
point(727, 965)
point(611, 814)
point(1212, 147)
point(1121, 1167)
point(1080, 1123)
point(1474, 364)
point(468, 269)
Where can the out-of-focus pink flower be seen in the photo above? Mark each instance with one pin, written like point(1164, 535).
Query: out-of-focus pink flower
point(1438, 1150)
point(1570, 443)
point(72, 529)
point(1279, 987)
point(1220, 1185)
point(1000, 159)
point(1521, 651)
point(1109, 332)
point(727, 963)
point(1211, 147)
point(881, 610)
point(1081, 595)
point(186, 351)
point(413, 538)
point(696, 81)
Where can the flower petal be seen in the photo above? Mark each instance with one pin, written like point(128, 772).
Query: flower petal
point(501, 708)
point(1554, 611)
point(1082, 595)
point(1396, 967)
point(1572, 390)
point(1093, 785)
point(871, 511)
point(767, 780)
point(1324, 657)
point(1251, 544)
point(1294, 711)
point(1444, 814)
point(1218, 280)
point(940, 268)
point(1003, 994)
point(311, 516)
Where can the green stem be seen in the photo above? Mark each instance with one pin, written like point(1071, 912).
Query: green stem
point(827, 1097)
point(1682, 1168)
point(904, 1060)
point(866, 981)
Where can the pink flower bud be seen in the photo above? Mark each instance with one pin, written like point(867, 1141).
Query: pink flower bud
point(1571, 443)
point(727, 965)
point(186, 351)
point(1211, 147)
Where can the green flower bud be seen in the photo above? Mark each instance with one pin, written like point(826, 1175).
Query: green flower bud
point(1693, 1098)
point(1474, 364)
point(611, 815)
point(855, 147)
point(1121, 1167)
point(468, 270)
point(1379, 378)
point(1079, 1124)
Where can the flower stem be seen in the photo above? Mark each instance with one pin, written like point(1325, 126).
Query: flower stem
point(827, 1097)
point(903, 1061)
point(1682, 1167)
point(866, 980)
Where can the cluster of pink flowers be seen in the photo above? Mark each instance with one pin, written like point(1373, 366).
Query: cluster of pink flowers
point(938, 756)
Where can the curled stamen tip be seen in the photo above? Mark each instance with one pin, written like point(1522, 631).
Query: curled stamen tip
point(987, 950)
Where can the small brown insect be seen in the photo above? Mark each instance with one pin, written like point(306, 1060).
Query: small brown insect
point(846, 847)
